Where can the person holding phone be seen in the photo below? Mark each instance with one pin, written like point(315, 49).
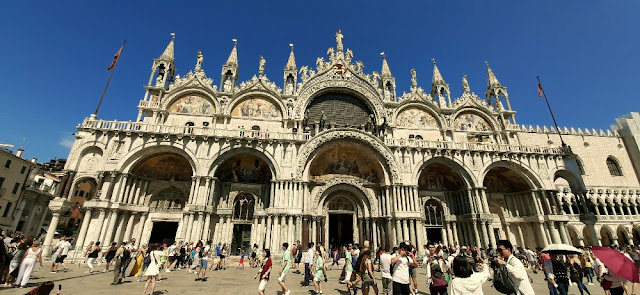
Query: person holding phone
point(401, 264)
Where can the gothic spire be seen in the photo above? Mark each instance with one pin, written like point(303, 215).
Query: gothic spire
point(437, 77)
point(168, 52)
point(386, 72)
point(291, 63)
point(492, 81)
point(439, 87)
point(233, 57)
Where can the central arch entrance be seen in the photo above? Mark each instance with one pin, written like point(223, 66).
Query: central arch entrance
point(342, 216)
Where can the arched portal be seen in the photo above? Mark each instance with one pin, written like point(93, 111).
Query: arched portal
point(338, 110)
point(573, 236)
point(162, 181)
point(342, 216)
point(441, 184)
point(346, 158)
point(588, 237)
point(606, 235)
point(510, 193)
point(623, 238)
point(84, 190)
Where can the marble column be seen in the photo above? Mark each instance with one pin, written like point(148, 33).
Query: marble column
point(83, 228)
point(492, 236)
point(142, 222)
point(18, 214)
point(112, 223)
point(449, 240)
point(130, 222)
point(268, 236)
point(53, 225)
point(206, 229)
point(187, 236)
point(103, 227)
point(314, 228)
point(375, 234)
point(456, 240)
point(563, 233)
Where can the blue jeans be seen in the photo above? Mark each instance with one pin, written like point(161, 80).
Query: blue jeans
point(563, 288)
point(307, 273)
point(582, 287)
point(125, 265)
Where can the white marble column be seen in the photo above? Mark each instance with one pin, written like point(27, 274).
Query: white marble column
point(192, 190)
point(127, 187)
point(405, 230)
point(119, 228)
point(291, 238)
point(375, 234)
point(267, 242)
point(314, 232)
point(456, 240)
point(187, 236)
point(83, 228)
point(51, 231)
point(130, 222)
point(18, 214)
point(142, 222)
point(205, 230)
point(113, 218)
point(492, 236)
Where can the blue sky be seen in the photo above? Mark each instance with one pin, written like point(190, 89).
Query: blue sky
point(54, 54)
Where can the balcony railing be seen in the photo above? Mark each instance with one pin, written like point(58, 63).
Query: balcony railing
point(149, 104)
point(255, 134)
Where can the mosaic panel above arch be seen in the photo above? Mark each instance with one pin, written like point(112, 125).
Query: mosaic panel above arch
point(192, 104)
point(416, 118)
point(471, 122)
point(346, 158)
point(256, 108)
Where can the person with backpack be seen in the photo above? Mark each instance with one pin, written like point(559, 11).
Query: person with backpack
point(515, 275)
point(435, 273)
point(385, 270)
point(466, 281)
point(366, 273)
point(401, 265)
point(576, 274)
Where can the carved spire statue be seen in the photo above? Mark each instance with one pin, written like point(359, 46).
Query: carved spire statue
point(339, 38)
point(439, 87)
point(385, 72)
point(291, 63)
point(229, 76)
point(414, 80)
point(465, 85)
point(495, 89)
point(261, 68)
point(167, 54)
point(199, 61)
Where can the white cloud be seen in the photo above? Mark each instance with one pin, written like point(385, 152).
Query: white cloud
point(66, 142)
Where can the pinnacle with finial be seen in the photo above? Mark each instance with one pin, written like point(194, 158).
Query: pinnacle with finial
point(167, 54)
point(437, 77)
point(291, 63)
point(385, 66)
point(233, 56)
point(492, 80)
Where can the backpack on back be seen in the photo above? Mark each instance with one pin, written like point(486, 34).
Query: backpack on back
point(502, 282)
point(438, 281)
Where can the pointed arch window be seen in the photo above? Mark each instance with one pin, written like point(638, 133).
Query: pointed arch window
point(433, 212)
point(243, 207)
point(614, 167)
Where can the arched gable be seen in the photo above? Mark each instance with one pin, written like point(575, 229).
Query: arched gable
point(200, 98)
point(463, 115)
point(532, 179)
point(366, 199)
point(229, 151)
point(392, 171)
point(142, 152)
point(431, 121)
point(454, 164)
point(256, 104)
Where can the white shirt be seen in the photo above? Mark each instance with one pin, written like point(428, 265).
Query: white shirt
point(401, 270)
point(519, 276)
point(385, 265)
point(65, 247)
point(205, 252)
point(308, 258)
point(58, 247)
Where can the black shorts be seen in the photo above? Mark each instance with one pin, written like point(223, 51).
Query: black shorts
point(61, 258)
point(253, 255)
point(401, 289)
point(221, 256)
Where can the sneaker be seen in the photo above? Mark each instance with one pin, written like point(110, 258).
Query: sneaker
point(104, 270)
point(204, 279)
point(198, 279)
point(166, 270)
point(52, 272)
point(288, 292)
point(590, 284)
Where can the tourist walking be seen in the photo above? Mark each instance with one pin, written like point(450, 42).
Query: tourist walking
point(515, 268)
point(615, 284)
point(308, 263)
point(33, 255)
point(146, 261)
point(153, 271)
point(254, 255)
point(203, 262)
point(576, 274)
point(93, 255)
point(466, 281)
point(366, 273)
point(264, 273)
point(348, 267)
point(318, 271)
point(286, 265)
point(14, 266)
point(385, 271)
point(435, 267)
point(401, 264)
point(62, 252)
point(241, 262)
point(557, 275)
point(298, 256)
point(109, 255)
point(137, 268)
point(86, 253)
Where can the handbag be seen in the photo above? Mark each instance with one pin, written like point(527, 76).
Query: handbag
point(605, 284)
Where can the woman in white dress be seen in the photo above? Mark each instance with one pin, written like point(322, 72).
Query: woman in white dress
point(28, 262)
point(153, 270)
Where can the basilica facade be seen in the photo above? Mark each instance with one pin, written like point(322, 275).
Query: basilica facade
point(337, 156)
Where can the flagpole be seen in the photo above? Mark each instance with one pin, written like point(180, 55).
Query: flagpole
point(95, 114)
point(551, 112)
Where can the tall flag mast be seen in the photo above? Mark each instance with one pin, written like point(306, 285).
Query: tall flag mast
point(111, 68)
point(542, 94)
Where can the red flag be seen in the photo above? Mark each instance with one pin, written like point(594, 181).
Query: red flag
point(540, 92)
point(115, 59)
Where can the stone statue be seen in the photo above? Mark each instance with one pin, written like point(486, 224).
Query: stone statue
point(289, 89)
point(348, 55)
point(465, 85)
point(339, 37)
point(262, 64)
point(414, 80)
point(227, 85)
point(199, 61)
point(322, 120)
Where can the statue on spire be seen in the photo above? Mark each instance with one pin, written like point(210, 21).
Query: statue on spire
point(465, 85)
point(199, 61)
point(263, 62)
point(339, 37)
point(414, 80)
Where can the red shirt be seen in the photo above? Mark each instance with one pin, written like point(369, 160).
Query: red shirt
point(544, 257)
point(265, 267)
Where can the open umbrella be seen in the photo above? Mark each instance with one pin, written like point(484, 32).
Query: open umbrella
point(617, 262)
point(561, 249)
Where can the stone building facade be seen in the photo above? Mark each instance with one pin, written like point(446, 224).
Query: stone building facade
point(337, 156)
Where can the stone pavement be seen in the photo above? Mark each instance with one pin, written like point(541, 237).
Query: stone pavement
point(232, 281)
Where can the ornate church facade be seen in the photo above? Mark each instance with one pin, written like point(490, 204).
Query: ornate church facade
point(335, 156)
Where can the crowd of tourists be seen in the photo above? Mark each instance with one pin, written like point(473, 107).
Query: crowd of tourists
point(447, 269)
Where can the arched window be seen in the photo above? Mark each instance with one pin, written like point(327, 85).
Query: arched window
point(418, 137)
point(243, 207)
point(614, 168)
point(433, 212)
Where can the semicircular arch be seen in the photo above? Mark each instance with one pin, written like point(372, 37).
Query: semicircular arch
point(312, 147)
point(143, 152)
point(421, 106)
point(530, 177)
point(456, 165)
point(210, 97)
point(366, 199)
point(230, 151)
point(482, 113)
point(256, 94)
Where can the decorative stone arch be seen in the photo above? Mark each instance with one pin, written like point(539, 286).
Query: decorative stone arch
point(453, 163)
point(624, 235)
point(229, 151)
point(481, 112)
point(532, 179)
point(82, 177)
point(183, 188)
point(238, 199)
point(423, 105)
point(354, 85)
point(433, 219)
point(256, 93)
point(575, 182)
point(366, 199)
point(143, 152)
point(607, 235)
point(616, 163)
point(575, 235)
point(207, 94)
point(390, 167)
point(84, 148)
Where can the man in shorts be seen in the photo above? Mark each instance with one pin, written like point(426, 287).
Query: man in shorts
point(54, 256)
point(348, 267)
point(385, 270)
point(204, 261)
point(63, 251)
point(264, 273)
point(286, 265)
